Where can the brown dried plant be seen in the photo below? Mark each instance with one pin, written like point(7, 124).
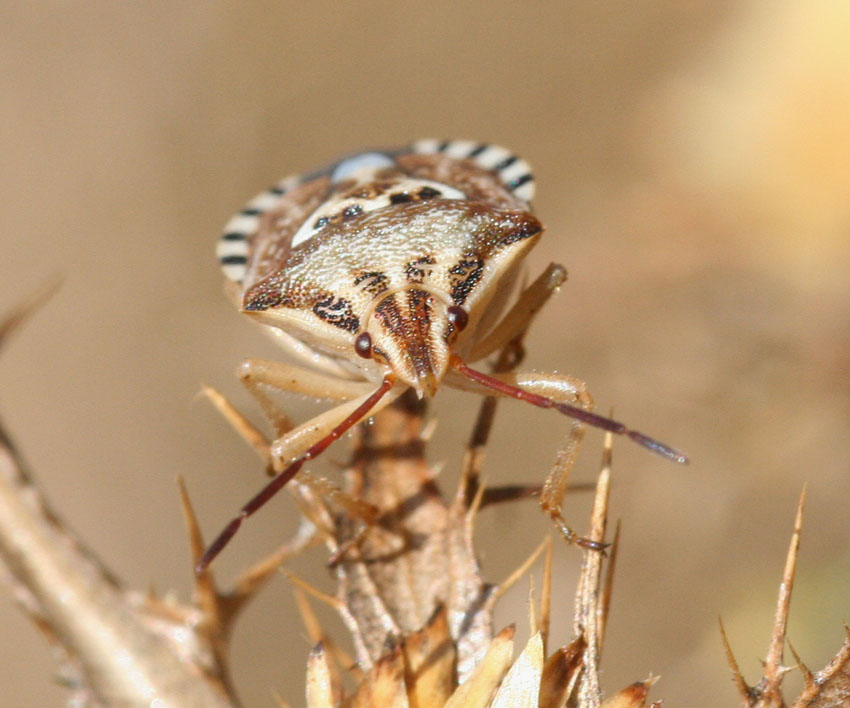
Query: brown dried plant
point(408, 589)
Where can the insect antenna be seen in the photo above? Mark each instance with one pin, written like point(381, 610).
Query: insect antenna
point(280, 480)
point(581, 414)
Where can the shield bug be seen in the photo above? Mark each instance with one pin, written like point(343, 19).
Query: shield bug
point(389, 271)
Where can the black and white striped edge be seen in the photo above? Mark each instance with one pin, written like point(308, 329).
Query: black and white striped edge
point(232, 248)
point(513, 171)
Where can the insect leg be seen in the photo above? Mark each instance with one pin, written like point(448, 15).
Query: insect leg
point(259, 374)
point(525, 392)
point(334, 424)
point(564, 390)
point(517, 319)
point(320, 487)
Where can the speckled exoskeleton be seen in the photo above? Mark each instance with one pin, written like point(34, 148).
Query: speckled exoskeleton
point(389, 271)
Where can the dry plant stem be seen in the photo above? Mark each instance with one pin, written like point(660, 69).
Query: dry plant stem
point(306, 488)
point(219, 609)
point(773, 669)
point(118, 646)
point(418, 556)
point(608, 589)
point(828, 688)
point(589, 606)
point(768, 692)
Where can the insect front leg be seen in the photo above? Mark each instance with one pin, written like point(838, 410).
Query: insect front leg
point(297, 441)
point(302, 444)
point(257, 375)
point(516, 320)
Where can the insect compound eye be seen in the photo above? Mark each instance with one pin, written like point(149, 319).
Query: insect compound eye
point(363, 345)
point(458, 317)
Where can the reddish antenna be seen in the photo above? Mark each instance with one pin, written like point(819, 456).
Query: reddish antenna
point(581, 414)
point(280, 480)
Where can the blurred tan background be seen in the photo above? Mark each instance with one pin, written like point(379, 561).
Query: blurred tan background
point(693, 168)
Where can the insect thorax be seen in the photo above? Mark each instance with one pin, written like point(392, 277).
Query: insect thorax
point(383, 243)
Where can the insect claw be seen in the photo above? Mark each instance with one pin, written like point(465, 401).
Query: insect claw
point(591, 545)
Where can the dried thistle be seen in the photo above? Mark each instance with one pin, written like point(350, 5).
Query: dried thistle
point(409, 590)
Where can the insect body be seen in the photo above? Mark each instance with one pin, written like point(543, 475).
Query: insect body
point(388, 271)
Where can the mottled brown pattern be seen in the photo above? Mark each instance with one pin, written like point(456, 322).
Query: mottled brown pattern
point(419, 556)
point(349, 212)
point(373, 282)
point(337, 311)
point(406, 317)
point(279, 290)
point(465, 275)
point(384, 181)
point(477, 184)
point(418, 269)
point(270, 247)
point(420, 304)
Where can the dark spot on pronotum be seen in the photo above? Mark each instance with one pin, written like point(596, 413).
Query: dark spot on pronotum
point(416, 270)
point(363, 345)
point(526, 229)
point(400, 198)
point(321, 222)
point(465, 275)
point(428, 193)
point(263, 301)
point(352, 210)
point(373, 282)
point(337, 311)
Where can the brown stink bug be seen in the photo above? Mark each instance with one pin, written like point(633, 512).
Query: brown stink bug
point(386, 271)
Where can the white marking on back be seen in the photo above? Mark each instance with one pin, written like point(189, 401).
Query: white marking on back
point(333, 207)
point(353, 165)
point(492, 156)
point(233, 272)
point(229, 248)
point(513, 171)
point(233, 248)
point(241, 224)
point(525, 191)
point(264, 201)
point(428, 146)
point(460, 149)
point(489, 158)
